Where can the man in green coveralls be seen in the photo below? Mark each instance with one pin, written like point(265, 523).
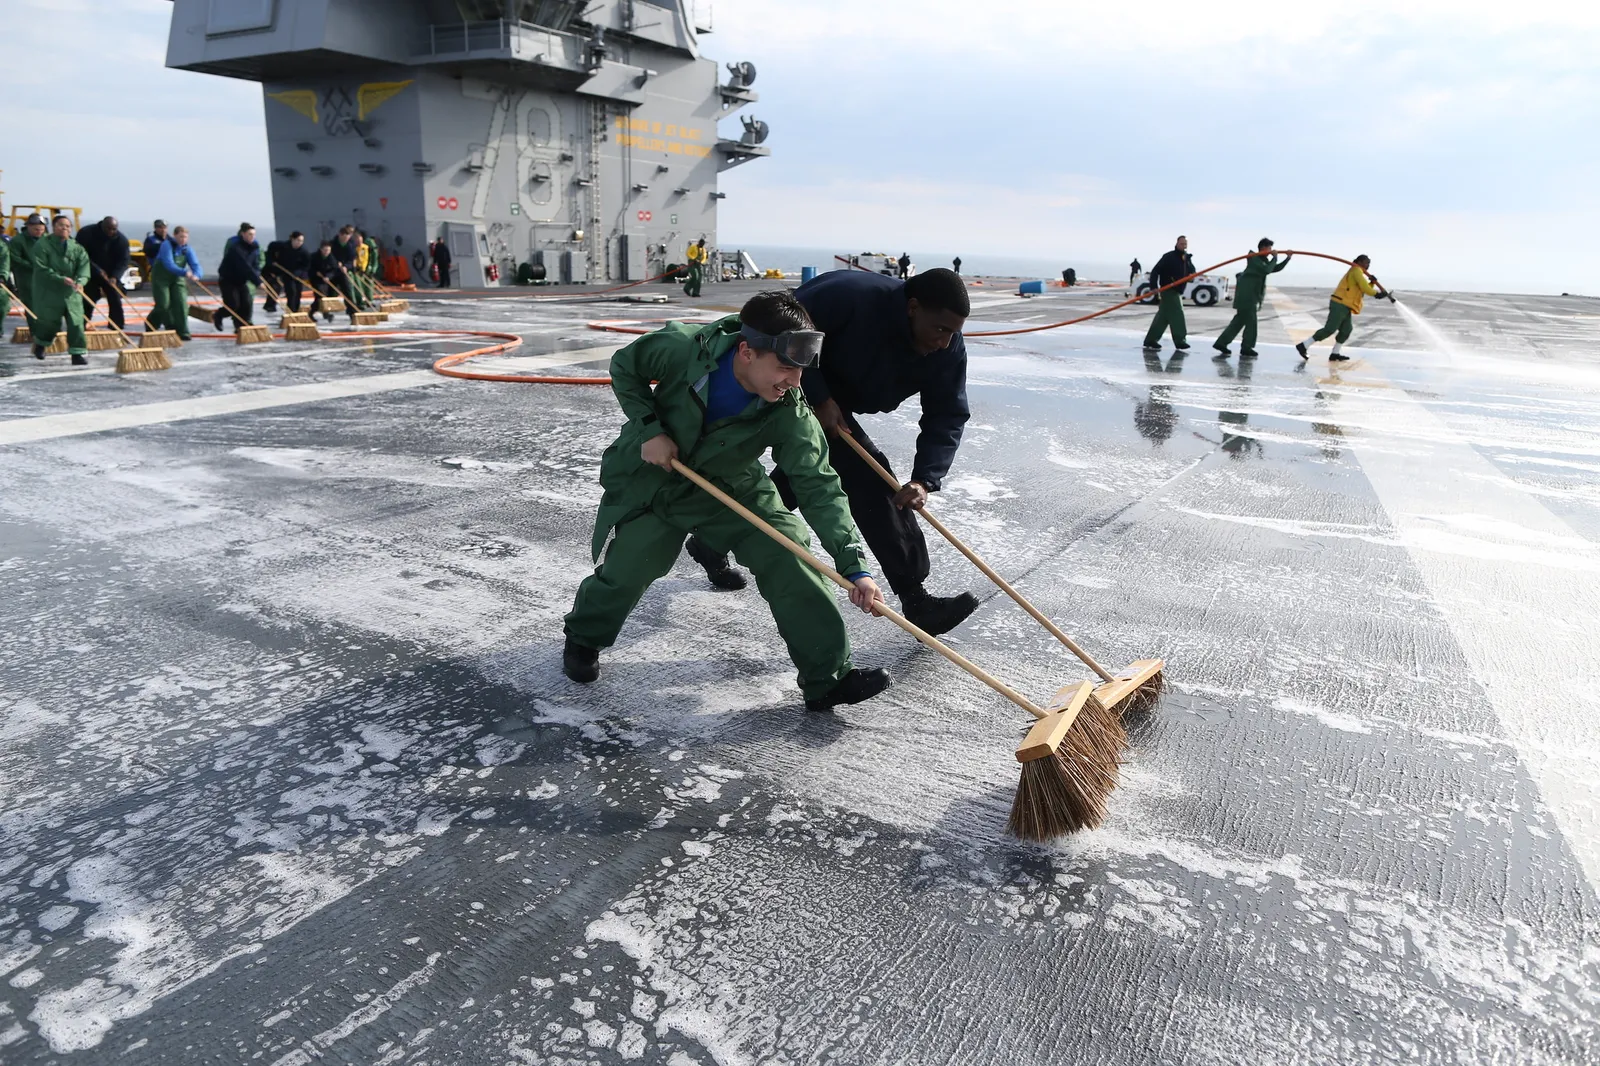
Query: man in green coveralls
point(1248, 296)
point(5, 278)
point(1170, 269)
point(22, 246)
point(726, 392)
point(60, 269)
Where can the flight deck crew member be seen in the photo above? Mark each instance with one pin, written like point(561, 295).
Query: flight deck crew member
point(696, 254)
point(22, 246)
point(329, 278)
point(175, 261)
point(286, 266)
point(1248, 297)
point(904, 263)
point(152, 244)
point(886, 340)
point(1169, 268)
point(956, 264)
point(440, 254)
point(60, 269)
point(725, 393)
point(344, 250)
point(240, 269)
point(269, 260)
point(1345, 302)
point(374, 263)
point(5, 278)
point(1133, 271)
point(109, 256)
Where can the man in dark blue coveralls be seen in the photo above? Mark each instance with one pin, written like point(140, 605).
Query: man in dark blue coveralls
point(886, 340)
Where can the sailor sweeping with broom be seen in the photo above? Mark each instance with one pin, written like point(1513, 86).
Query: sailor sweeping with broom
point(60, 269)
point(726, 393)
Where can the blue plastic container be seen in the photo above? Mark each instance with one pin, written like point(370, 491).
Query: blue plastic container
point(1031, 288)
point(807, 273)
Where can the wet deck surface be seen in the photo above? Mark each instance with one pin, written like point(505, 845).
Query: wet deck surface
point(291, 774)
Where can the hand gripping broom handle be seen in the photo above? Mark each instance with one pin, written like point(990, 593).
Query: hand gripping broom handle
point(881, 608)
point(1005, 586)
point(238, 319)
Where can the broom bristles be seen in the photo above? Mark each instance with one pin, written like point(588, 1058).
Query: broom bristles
point(102, 340)
point(134, 360)
point(160, 338)
point(252, 335)
point(1068, 791)
point(296, 331)
point(22, 335)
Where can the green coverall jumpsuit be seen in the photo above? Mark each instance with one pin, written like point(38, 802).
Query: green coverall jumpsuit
point(5, 276)
point(1248, 296)
point(22, 247)
point(55, 262)
point(652, 511)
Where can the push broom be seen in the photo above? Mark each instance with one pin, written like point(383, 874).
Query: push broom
point(243, 333)
point(1143, 676)
point(390, 304)
point(290, 318)
point(297, 325)
point(24, 334)
point(135, 357)
point(1074, 747)
point(151, 337)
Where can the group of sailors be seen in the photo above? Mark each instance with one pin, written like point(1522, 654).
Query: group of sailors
point(59, 279)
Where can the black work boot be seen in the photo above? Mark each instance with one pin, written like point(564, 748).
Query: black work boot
point(721, 574)
point(1301, 348)
point(38, 351)
point(937, 614)
point(79, 360)
point(1223, 350)
point(1248, 353)
point(580, 663)
point(853, 687)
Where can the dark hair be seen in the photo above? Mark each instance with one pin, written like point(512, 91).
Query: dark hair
point(325, 244)
point(1367, 259)
point(1265, 242)
point(774, 311)
point(158, 222)
point(940, 288)
point(244, 226)
point(294, 234)
point(1181, 236)
point(59, 218)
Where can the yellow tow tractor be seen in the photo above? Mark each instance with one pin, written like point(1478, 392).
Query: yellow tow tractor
point(13, 220)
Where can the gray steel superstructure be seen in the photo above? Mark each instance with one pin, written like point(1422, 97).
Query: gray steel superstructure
point(580, 136)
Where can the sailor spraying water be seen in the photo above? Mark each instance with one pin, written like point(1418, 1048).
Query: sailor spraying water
point(1345, 303)
point(726, 393)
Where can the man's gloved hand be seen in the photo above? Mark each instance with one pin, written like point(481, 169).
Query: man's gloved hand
point(659, 450)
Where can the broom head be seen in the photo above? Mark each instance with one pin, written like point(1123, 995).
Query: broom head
point(252, 335)
point(329, 305)
point(160, 338)
point(1069, 766)
point(370, 318)
point(394, 307)
point(199, 314)
point(23, 335)
point(57, 346)
point(295, 318)
point(102, 340)
point(301, 331)
point(133, 360)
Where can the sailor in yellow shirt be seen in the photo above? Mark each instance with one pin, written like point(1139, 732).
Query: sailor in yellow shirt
point(1346, 302)
point(696, 255)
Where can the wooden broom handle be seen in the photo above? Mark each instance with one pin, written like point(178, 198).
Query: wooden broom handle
point(1005, 586)
point(10, 292)
point(879, 608)
point(122, 293)
point(238, 319)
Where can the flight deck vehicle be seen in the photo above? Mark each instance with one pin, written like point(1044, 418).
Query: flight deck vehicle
point(1204, 289)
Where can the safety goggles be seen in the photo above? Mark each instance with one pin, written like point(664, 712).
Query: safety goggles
point(794, 347)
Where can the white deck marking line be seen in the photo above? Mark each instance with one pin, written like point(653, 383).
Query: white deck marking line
point(77, 423)
point(179, 362)
point(1518, 587)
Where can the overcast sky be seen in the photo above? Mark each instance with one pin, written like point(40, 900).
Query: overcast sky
point(1453, 141)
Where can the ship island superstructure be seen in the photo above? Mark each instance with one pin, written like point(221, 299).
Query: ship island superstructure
point(577, 138)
